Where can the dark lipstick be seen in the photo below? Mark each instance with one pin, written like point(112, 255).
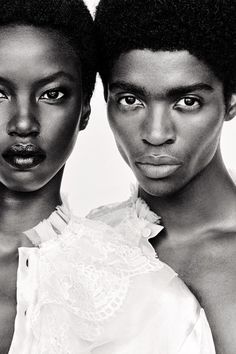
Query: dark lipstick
point(24, 156)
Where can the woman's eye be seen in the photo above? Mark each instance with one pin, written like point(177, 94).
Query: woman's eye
point(188, 103)
point(52, 95)
point(3, 95)
point(130, 102)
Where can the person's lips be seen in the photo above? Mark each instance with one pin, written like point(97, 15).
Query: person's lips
point(158, 166)
point(24, 156)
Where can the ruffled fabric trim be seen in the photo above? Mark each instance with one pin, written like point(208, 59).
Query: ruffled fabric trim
point(133, 219)
point(52, 227)
point(85, 268)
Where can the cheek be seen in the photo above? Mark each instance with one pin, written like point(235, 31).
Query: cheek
point(60, 131)
point(203, 139)
point(124, 143)
point(124, 130)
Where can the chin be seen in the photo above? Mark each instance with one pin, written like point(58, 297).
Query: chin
point(23, 185)
point(160, 188)
point(23, 188)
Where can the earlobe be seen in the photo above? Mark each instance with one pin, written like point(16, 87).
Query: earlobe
point(231, 110)
point(85, 115)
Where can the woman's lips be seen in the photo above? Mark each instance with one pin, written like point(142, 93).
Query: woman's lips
point(158, 166)
point(24, 156)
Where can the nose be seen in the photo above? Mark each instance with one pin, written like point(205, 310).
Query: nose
point(158, 126)
point(23, 121)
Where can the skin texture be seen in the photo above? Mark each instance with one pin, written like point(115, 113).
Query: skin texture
point(42, 103)
point(28, 113)
point(174, 131)
point(158, 122)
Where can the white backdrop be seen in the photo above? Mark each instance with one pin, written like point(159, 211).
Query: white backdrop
point(95, 173)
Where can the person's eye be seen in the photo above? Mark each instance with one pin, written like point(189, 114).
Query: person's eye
point(3, 95)
point(130, 102)
point(188, 103)
point(52, 95)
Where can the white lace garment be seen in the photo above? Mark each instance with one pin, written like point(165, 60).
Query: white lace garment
point(90, 288)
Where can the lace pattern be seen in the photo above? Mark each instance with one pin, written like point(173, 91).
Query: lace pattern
point(92, 286)
point(86, 272)
point(133, 219)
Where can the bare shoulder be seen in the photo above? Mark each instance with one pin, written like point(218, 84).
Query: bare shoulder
point(208, 267)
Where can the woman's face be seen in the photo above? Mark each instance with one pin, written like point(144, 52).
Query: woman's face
point(41, 104)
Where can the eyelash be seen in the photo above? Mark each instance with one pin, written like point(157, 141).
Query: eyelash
point(185, 107)
point(177, 105)
point(55, 90)
point(131, 105)
point(3, 94)
point(59, 91)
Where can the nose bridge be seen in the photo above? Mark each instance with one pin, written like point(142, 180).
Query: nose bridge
point(159, 126)
point(24, 117)
point(25, 110)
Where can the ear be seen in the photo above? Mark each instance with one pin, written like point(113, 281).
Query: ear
point(231, 108)
point(86, 110)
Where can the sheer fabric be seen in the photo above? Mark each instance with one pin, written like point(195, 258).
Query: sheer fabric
point(97, 287)
point(179, 323)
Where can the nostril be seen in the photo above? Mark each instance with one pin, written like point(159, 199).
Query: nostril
point(159, 143)
point(170, 141)
point(11, 133)
point(23, 133)
point(35, 133)
point(23, 126)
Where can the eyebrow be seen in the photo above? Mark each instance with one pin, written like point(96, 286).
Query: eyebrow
point(172, 92)
point(122, 85)
point(181, 90)
point(43, 81)
point(7, 82)
point(55, 76)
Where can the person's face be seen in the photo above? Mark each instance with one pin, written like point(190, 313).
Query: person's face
point(166, 110)
point(41, 104)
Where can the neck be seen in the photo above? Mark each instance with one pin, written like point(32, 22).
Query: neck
point(20, 211)
point(207, 202)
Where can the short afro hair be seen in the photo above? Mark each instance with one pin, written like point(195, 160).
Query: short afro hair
point(205, 28)
point(71, 18)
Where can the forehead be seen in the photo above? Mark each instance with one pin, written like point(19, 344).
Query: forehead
point(161, 70)
point(35, 49)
